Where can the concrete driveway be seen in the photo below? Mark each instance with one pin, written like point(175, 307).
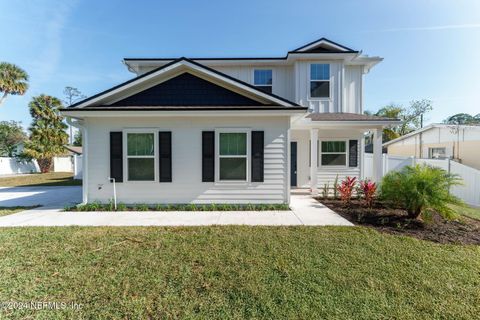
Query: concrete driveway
point(47, 197)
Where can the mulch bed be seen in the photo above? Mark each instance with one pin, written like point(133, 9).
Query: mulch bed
point(394, 221)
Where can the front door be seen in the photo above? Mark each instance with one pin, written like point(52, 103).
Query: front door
point(293, 164)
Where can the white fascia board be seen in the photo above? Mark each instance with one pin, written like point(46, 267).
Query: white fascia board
point(308, 124)
point(200, 70)
point(322, 41)
point(78, 114)
point(134, 65)
point(365, 61)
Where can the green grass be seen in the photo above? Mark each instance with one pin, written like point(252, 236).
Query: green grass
point(41, 179)
point(237, 272)
point(4, 211)
point(467, 211)
point(96, 206)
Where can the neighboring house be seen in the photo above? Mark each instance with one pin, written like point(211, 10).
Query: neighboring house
point(74, 150)
point(439, 141)
point(228, 130)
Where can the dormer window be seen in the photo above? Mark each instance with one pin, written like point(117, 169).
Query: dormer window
point(263, 80)
point(319, 80)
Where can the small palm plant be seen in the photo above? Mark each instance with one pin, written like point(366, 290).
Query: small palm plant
point(421, 191)
point(13, 80)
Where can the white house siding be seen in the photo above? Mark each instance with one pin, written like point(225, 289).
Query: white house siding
point(292, 82)
point(187, 185)
point(324, 174)
point(353, 89)
point(302, 87)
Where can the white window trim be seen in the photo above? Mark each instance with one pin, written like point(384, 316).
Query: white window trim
point(263, 85)
point(347, 153)
point(430, 152)
point(217, 155)
point(126, 156)
point(329, 98)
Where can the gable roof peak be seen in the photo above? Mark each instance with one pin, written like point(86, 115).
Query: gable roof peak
point(323, 45)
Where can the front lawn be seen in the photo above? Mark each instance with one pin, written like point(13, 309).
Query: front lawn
point(237, 272)
point(467, 211)
point(41, 179)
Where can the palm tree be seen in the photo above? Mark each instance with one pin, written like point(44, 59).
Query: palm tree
point(13, 80)
point(47, 132)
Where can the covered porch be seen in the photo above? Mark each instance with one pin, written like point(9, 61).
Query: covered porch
point(325, 147)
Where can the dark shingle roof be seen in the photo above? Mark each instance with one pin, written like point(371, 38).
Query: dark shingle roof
point(347, 117)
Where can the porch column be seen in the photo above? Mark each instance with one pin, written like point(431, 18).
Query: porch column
point(377, 155)
point(313, 160)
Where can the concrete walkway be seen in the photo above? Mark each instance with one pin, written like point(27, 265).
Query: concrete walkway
point(305, 211)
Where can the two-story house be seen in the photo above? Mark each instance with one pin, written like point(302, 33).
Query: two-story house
point(228, 130)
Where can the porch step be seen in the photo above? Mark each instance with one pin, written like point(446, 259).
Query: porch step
point(300, 191)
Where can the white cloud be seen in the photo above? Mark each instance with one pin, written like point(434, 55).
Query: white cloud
point(430, 28)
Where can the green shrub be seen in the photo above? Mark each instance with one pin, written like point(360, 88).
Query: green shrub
point(121, 207)
point(421, 190)
point(335, 187)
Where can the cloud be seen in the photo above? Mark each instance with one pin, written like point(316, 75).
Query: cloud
point(430, 28)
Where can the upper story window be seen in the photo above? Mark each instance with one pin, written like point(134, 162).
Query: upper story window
point(319, 80)
point(263, 80)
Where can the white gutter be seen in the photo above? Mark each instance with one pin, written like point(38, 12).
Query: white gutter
point(79, 125)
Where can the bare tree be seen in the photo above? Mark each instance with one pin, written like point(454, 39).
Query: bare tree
point(72, 95)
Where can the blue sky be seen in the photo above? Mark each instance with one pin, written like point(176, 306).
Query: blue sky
point(431, 48)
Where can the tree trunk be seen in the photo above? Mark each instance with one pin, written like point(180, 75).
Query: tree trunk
point(45, 164)
point(2, 99)
point(414, 213)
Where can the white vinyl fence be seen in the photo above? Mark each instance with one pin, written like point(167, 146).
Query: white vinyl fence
point(468, 192)
point(14, 166)
point(63, 164)
point(60, 164)
point(77, 167)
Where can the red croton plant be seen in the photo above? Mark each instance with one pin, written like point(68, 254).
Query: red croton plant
point(369, 189)
point(346, 188)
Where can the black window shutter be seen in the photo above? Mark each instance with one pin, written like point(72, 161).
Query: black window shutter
point(208, 156)
point(165, 155)
point(353, 153)
point(257, 156)
point(116, 156)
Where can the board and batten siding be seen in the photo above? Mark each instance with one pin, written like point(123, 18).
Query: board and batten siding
point(353, 89)
point(325, 174)
point(187, 185)
point(292, 82)
point(302, 89)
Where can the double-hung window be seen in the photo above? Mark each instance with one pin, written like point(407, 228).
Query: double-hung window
point(141, 156)
point(263, 79)
point(319, 80)
point(233, 156)
point(334, 153)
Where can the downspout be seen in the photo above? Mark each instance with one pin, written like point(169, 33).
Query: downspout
point(79, 125)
